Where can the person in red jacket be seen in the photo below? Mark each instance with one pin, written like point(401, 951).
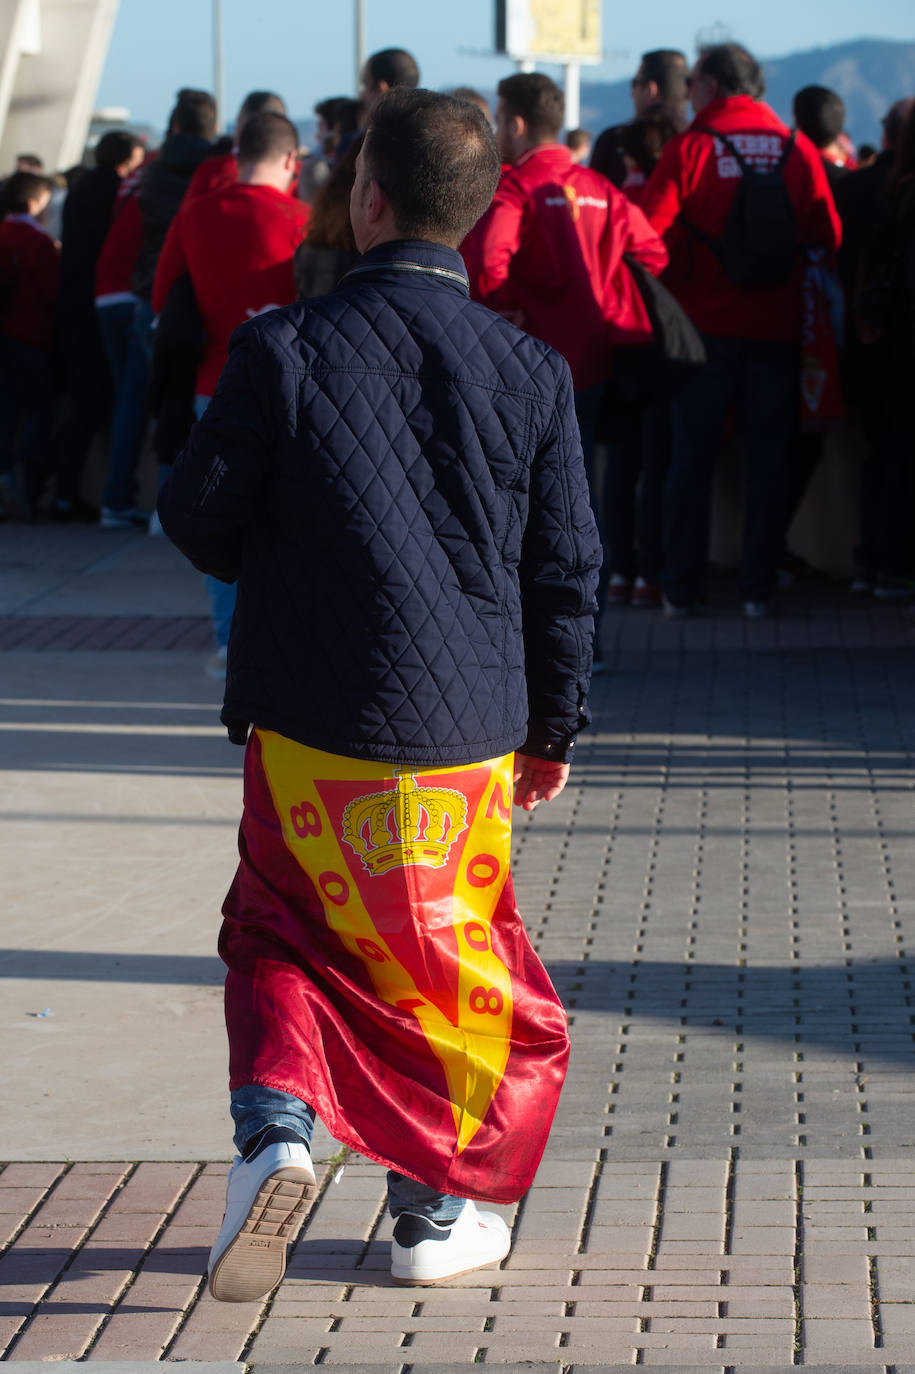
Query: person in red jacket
point(548, 253)
point(220, 170)
point(237, 245)
point(29, 269)
point(752, 333)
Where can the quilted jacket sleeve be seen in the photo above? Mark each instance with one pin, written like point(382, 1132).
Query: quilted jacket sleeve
point(213, 489)
point(560, 559)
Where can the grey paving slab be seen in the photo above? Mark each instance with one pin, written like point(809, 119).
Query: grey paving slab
point(122, 1367)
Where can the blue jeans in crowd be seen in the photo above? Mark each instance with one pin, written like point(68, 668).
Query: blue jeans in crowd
point(761, 378)
point(221, 594)
point(126, 330)
point(254, 1108)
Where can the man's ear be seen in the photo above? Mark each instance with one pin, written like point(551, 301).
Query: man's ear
point(654, 90)
point(517, 127)
point(374, 201)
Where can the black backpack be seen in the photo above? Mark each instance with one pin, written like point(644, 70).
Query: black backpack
point(759, 246)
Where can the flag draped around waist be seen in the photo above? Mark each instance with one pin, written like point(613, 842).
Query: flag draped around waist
point(378, 967)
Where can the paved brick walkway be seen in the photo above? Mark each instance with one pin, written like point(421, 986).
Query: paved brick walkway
point(725, 896)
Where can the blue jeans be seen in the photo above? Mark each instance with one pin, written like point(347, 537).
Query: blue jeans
point(124, 328)
point(254, 1108)
point(761, 378)
point(221, 594)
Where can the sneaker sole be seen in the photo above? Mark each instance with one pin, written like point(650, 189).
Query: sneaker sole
point(254, 1261)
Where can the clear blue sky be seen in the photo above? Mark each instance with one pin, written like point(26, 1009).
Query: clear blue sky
point(304, 48)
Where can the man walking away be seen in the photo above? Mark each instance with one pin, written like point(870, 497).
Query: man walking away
point(738, 198)
point(393, 475)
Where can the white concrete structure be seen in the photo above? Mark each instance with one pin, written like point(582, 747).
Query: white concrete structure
point(51, 58)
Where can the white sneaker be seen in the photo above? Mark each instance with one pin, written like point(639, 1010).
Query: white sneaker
point(215, 666)
point(154, 529)
point(266, 1198)
point(129, 519)
point(425, 1252)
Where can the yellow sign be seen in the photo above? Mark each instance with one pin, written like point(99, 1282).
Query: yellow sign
point(549, 28)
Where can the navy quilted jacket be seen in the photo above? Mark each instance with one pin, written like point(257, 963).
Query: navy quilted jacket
point(394, 475)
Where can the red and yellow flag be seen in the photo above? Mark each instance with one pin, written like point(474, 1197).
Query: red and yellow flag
point(379, 968)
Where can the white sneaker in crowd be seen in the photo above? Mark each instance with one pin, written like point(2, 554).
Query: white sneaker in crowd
point(129, 519)
point(266, 1198)
point(215, 666)
point(426, 1252)
point(155, 526)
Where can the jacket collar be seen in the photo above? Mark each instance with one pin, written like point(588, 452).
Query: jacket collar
point(402, 258)
point(554, 152)
point(756, 113)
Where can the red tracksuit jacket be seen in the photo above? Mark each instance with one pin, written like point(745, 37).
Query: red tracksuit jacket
point(29, 264)
point(237, 244)
point(696, 179)
point(547, 253)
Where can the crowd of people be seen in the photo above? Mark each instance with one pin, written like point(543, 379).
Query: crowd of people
point(700, 276)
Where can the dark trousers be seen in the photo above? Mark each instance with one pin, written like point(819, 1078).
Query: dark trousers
point(761, 379)
point(88, 398)
point(638, 457)
point(26, 402)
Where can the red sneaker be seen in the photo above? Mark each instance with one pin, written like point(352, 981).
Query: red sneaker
point(619, 590)
point(646, 593)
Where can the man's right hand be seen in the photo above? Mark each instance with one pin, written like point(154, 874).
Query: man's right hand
point(537, 780)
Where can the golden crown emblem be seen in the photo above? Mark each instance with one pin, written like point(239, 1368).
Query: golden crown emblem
point(406, 825)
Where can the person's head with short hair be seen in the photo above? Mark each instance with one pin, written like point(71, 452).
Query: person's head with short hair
point(820, 114)
point(641, 141)
point(724, 70)
point(268, 147)
point(26, 193)
point(29, 162)
point(428, 169)
point(895, 120)
point(475, 98)
point(119, 151)
point(660, 80)
point(867, 155)
point(578, 142)
point(194, 113)
point(337, 116)
point(387, 71)
point(255, 103)
point(530, 112)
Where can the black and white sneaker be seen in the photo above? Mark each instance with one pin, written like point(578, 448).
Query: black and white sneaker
point(426, 1252)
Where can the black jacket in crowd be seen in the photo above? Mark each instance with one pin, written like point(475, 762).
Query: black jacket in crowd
point(162, 186)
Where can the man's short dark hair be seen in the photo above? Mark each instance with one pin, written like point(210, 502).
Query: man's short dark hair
point(734, 68)
point(267, 137)
point(896, 119)
point(20, 188)
point(114, 148)
point(31, 162)
point(395, 67)
point(258, 102)
point(668, 69)
point(194, 113)
point(435, 158)
point(537, 100)
point(820, 114)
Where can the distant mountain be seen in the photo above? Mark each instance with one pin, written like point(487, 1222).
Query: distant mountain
point(869, 74)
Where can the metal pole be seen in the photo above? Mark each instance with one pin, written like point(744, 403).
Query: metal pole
point(360, 41)
point(218, 69)
point(573, 95)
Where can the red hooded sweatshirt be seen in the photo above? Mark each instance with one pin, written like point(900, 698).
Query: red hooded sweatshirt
point(695, 181)
point(548, 254)
point(237, 244)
